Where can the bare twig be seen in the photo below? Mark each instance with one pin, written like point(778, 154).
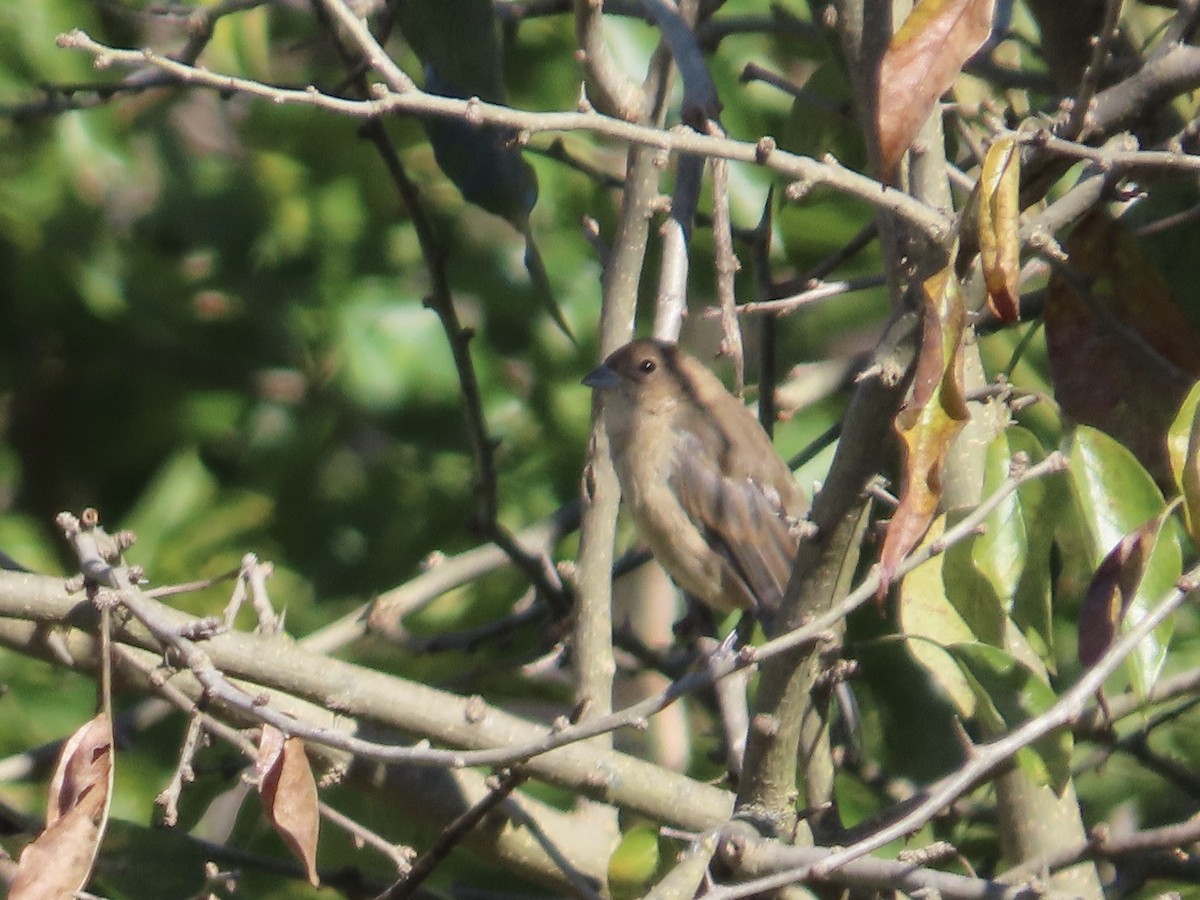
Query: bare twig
point(1077, 122)
point(727, 267)
point(933, 224)
point(671, 304)
point(986, 758)
point(386, 612)
point(817, 291)
point(500, 788)
point(700, 102)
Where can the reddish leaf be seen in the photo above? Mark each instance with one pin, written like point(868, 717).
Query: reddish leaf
point(59, 861)
point(999, 219)
point(920, 64)
point(930, 421)
point(289, 794)
point(1113, 587)
point(1122, 353)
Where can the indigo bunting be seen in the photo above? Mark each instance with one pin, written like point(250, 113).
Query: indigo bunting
point(705, 487)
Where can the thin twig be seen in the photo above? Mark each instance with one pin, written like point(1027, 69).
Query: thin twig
point(218, 686)
point(985, 758)
point(934, 224)
point(1078, 121)
point(819, 291)
point(727, 267)
point(452, 835)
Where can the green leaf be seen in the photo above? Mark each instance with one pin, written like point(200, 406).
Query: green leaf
point(635, 863)
point(931, 622)
point(1112, 590)
point(392, 350)
point(1112, 492)
point(1009, 694)
point(1013, 552)
point(1183, 449)
point(1113, 495)
point(181, 487)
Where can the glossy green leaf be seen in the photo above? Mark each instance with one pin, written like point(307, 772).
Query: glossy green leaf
point(1010, 693)
point(1112, 492)
point(1113, 495)
point(1113, 588)
point(1013, 552)
point(1183, 449)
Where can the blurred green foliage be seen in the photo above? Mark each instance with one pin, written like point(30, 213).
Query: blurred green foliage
point(212, 329)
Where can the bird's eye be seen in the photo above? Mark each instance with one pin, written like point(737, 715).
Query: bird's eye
point(646, 366)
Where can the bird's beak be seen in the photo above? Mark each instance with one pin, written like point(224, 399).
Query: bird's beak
point(602, 377)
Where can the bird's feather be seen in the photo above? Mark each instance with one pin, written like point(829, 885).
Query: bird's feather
point(743, 520)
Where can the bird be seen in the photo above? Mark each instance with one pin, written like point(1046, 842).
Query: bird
point(705, 487)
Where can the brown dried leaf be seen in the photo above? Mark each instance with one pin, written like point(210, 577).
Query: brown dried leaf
point(930, 421)
point(921, 62)
point(999, 220)
point(289, 795)
point(1122, 352)
point(59, 861)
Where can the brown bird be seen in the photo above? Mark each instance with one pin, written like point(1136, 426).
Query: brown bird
point(700, 477)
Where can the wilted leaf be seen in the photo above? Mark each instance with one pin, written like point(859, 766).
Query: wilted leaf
point(1122, 353)
point(59, 860)
point(289, 795)
point(921, 62)
point(999, 218)
point(930, 421)
point(1183, 446)
point(1114, 587)
point(1010, 693)
point(1113, 497)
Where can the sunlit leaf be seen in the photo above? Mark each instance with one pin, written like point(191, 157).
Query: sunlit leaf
point(999, 221)
point(289, 795)
point(1013, 550)
point(1113, 495)
point(921, 62)
point(930, 622)
point(59, 861)
point(1113, 587)
point(635, 862)
point(1183, 445)
point(1122, 352)
point(930, 421)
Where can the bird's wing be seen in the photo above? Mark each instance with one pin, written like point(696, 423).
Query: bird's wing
point(742, 519)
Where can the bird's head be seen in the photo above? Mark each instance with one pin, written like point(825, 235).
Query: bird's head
point(645, 374)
